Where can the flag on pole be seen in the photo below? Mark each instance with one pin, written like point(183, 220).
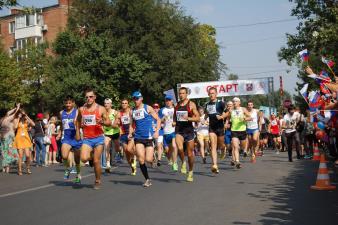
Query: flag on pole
point(325, 76)
point(304, 93)
point(304, 54)
point(314, 101)
point(328, 62)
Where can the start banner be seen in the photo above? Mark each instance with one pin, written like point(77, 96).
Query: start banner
point(228, 88)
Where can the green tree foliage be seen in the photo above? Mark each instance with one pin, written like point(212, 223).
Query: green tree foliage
point(13, 86)
point(7, 3)
point(318, 32)
point(125, 45)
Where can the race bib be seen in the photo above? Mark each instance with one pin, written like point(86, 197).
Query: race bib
point(211, 109)
point(65, 123)
point(180, 115)
point(138, 114)
point(89, 120)
point(273, 122)
point(125, 120)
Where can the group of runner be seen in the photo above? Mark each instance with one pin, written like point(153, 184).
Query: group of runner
point(92, 129)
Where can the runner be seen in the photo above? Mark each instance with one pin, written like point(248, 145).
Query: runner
point(143, 116)
point(263, 136)
point(91, 117)
point(202, 131)
point(123, 119)
point(239, 116)
point(274, 129)
point(227, 134)
point(185, 114)
point(111, 135)
point(215, 110)
point(69, 143)
point(252, 129)
point(167, 115)
point(158, 141)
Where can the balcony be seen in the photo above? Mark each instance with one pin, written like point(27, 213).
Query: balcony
point(30, 31)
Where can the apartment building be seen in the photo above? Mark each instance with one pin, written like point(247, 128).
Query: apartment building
point(43, 25)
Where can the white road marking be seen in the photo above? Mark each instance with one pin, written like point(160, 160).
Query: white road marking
point(36, 188)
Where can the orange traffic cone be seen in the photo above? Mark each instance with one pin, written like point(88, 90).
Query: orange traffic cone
point(316, 155)
point(323, 179)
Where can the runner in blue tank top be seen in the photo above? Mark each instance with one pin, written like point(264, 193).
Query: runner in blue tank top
point(69, 143)
point(143, 116)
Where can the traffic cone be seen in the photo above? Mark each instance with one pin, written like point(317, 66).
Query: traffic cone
point(316, 155)
point(323, 179)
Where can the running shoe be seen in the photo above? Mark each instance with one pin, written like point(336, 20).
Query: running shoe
point(184, 168)
point(133, 171)
point(190, 177)
point(204, 160)
point(245, 154)
point(91, 163)
point(107, 170)
point(175, 167)
point(238, 165)
point(222, 156)
point(232, 163)
point(253, 159)
point(73, 171)
point(147, 183)
point(77, 180)
point(215, 169)
point(97, 185)
point(158, 163)
point(66, 175)
point(170, 163)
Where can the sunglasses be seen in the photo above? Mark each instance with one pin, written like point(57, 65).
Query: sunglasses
point(136, 98)
point(90, 96)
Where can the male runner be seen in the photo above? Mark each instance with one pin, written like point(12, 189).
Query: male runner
point(238, 116)
point(185, 114)
point(158, 141)
point(252, 129)
point(111, 135)
point(123, 119)
point(91, 118)
point(167, 115)
point(143, 116)
point(215, 111)
point(69, 143)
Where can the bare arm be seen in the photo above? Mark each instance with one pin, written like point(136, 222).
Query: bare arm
point(195, 117)
point(152, 112)
point(105, 116)
point(116, 123)
point(78, 124)
point(247, 115)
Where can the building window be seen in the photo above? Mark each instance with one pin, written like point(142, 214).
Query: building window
point(11, 27)
point(27, 20)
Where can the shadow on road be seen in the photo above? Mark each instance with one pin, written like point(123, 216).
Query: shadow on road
point(294, 203)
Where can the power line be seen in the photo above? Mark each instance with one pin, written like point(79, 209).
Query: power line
point(256, 24)
point(253, 41)
point(270, 71)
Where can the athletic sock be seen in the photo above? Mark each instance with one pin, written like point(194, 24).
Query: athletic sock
point(144, 170)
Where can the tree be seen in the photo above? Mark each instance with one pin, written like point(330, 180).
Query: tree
point(232, 76)
point(146, 45)
point(7, 3)
point(318, 32)
point(12, 85)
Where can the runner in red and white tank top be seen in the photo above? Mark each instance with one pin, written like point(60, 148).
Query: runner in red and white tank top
point(91, 118)
point(274, 129)
point(124, 119)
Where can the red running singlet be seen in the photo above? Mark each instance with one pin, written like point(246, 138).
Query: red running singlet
point(89, 125)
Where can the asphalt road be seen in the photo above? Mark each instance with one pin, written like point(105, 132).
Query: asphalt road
point(272, 191)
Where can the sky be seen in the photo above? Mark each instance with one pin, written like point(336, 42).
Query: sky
point(248, 51)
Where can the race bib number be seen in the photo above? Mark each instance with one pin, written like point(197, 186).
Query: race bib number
point(89, 120)
point(125, 120)
point(65, 123)
point(211, 109)
point(170, 116)
point(138, 114)
point(180, 115)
